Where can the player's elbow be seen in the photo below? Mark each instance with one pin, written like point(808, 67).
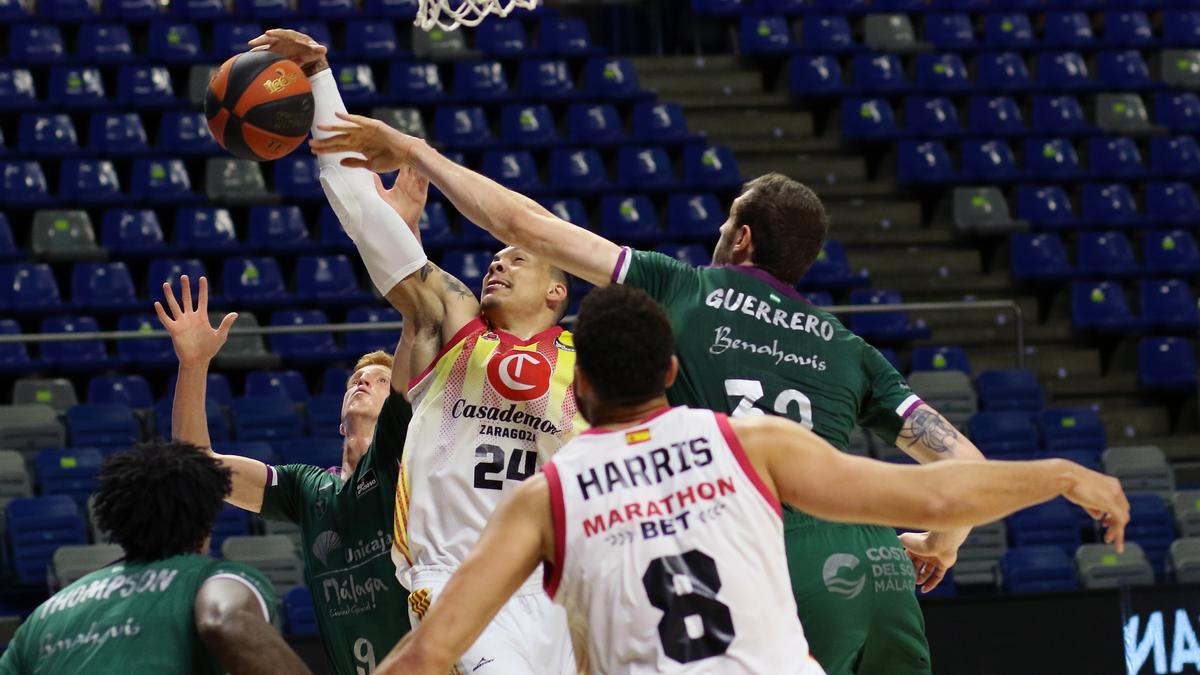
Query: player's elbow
point(941, 507)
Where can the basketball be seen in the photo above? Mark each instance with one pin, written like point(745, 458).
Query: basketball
point(259, 106)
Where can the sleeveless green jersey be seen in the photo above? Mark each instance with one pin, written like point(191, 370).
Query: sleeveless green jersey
point(346, 541)
point(127, 617)
point(749, 344)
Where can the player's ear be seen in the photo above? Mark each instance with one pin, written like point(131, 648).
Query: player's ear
point(743, 242)
point(672, 372)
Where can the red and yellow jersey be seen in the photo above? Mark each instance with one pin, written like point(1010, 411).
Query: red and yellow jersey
point(487, 413)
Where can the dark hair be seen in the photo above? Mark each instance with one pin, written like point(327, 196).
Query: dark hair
point(160, 499)
point(624, 344)
point(787, 222)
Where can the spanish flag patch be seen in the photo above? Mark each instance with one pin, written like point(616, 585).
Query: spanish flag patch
point(637, 436)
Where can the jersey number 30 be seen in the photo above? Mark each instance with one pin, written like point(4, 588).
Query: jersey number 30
point(747, 393)
point(695, 624)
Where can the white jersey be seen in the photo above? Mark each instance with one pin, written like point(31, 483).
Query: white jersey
point(487, 413)
point(669, 553)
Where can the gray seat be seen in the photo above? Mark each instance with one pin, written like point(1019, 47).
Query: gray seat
point(30, 427)
point(64, 235)
point(15, 483)
point(58, 393)
point(1183, 561)
point(273, 555)
point(73, 562)
point(284, 528)
point(1181, 68)
point(243, 351)
point(1123, 113)
point(948, 391)
point(860, 443)
point(439, 44)
point(1186, 504)
point(1100, 566)
point(407, 120)
point(983, 210)
point(236, 181)
point(891, 33)
point(198, 78)
point(979, 555)
point(1141, 469)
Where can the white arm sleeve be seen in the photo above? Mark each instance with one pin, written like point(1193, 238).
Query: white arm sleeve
point(386, 245)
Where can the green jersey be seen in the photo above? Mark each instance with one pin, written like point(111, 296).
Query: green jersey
point(346, 532)
point(127, 617)
point(748, 344)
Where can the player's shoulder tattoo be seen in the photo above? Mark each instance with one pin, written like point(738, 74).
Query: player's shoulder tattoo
point(930, 429)
point(426, 271)
point(456, 287)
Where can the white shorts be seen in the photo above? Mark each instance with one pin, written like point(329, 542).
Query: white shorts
point(528, 636)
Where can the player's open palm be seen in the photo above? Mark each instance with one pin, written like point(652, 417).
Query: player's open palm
point(1104, 500)
point(192, 335)
point(384, 148)
point(406, 196)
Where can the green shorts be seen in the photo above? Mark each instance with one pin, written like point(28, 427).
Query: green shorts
point(855, 590)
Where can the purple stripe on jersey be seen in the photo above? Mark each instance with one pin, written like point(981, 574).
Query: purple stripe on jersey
point(270, 475)
point(616, 273)
point(768, 278)
point(912, 408)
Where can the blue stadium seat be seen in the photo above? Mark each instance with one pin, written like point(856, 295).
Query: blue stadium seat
point(941, 73)
point(218, 389)
point(129, 390)
point(1001, 72)
point(577, 171)
point(22, 183)
point(764, 35)
point(565, 37)
point(324, 413)
point(1172, 204)
point(1124, 71)
point(884, 326)
point(570, 209)
point(661, 123)
point(1178, 111)
point(16, 88)
point(693, 255)
point(303, 347)
point(950, 30)
point(146, 352)
point(501, 38)
point(1110, 205)
point(13, 10)
point(300, 615)
point(231, 522)
point(468, 267)
point(1128, 28)
point(105, 43)
point(1037, 569)
point(132, 232)
point(1175, 157)
point(185, 132)
point(528, 126)
point(286, 384)
point(230, 37)
point(1101, 307)
point(161, 181)
point(28, 287)
point(174, 41)
point(14, 357)
point(298, 177)
point(77, 355)
point(869, 119)
point(1051, 159)
point(1010, 389)
point(462, 127)
point(73, 87)
point(356, 81)
point(168, 270)
point(815, 75)
point(628, 218)
point(278, 229)
point(253, 282)
point(1067, 29)
point(480, 82)
point(134, 10)
point(878, 73)
point(711, 167)
point(827, 33)
point(415, 83)
point(1072, 429)
point(831, 270)
point(110, 426)
point(37, 526)
point(370, 39)
point(36, 44)
point(596, 124)
point(201, 9)
point(646, 169)
point(1062, 71)
point(328, 279)
point(1059, 115)
point(1054, 524)
point(694, 214)
point(68, 472)
point(89, 182)
point(514, 169)
point(270, 9)
point(1167, 364)
point(1152, 526)
point(47, 135)
point(1106, 255)
point(328, 9)
point(1039, 257)
point(145, 86)
point(435, 226)
point(545, 80)
point(1181, 27)
point(363, 342)
point(258, 450)
point(1008, 434)
point(1169, 305)
point(994, 116)
point(266, 418)
point(8, 247)
point(1045, 206)
point(924, 162)
point(318, 452)
point(316, 29)
point(1171, 253)
point(117, 134)
point(987, 161)
point(206, 231)
point(103, 286)
point(940, 358)
point(1007, 31)
point(612, 79)
point(332, 236)
point(69, 10)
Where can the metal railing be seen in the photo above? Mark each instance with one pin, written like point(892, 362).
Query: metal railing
point(973, 306)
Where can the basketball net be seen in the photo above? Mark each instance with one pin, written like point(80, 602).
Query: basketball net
point(450, 14)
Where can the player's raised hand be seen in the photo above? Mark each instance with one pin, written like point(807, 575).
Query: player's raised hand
point(406, 196)
point(1104, 500)
point(292, 45)
point(194, 338)
point(932, 555)
point(384, 148)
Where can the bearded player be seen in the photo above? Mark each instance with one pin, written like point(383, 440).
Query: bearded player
point(750, 345)
point(489, 380)
point(661, 528)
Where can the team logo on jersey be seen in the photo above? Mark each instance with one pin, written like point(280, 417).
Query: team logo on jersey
point(366, 483)
point(565, 342)
point(841, 577)
point(520, 375)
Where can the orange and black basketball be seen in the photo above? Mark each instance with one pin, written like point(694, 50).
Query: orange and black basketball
point(259, 105)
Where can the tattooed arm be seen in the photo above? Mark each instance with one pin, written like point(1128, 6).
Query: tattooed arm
point(435, 306)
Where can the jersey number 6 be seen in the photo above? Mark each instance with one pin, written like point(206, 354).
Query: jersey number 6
point(521, 465)
point(695, 624)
